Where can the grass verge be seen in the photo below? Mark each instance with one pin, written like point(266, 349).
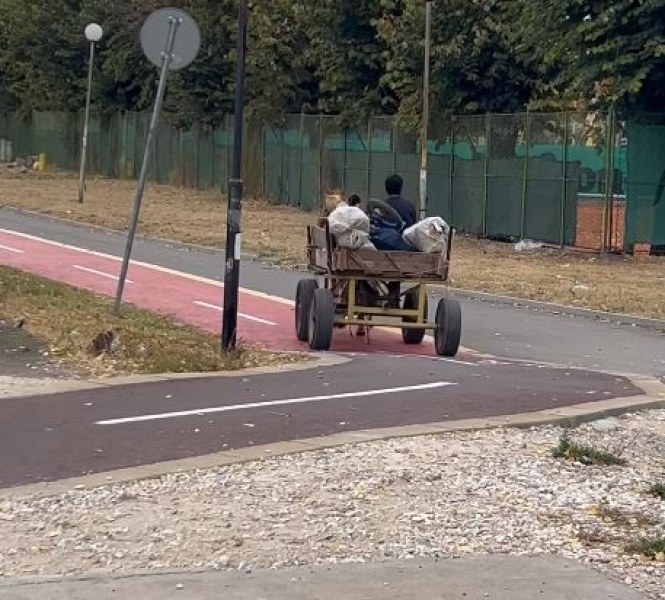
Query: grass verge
point(615, 284)
point(658, 490)
point(649, 547)
point(69, 320)
point(587, 455)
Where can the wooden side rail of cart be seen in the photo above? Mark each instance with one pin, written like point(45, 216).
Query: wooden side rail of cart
point(352, 293)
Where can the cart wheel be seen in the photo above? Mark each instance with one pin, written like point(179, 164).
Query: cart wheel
point(304, 294)
point(413, 336)
point(448, 330)
point(321, 320)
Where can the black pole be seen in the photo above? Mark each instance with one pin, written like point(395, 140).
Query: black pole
point(234, 213)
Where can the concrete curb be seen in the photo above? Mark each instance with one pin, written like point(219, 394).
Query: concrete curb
point(309, 362)
point(570, 416)
point(560, 309)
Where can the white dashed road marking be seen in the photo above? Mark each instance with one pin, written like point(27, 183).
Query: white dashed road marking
point(236, 407)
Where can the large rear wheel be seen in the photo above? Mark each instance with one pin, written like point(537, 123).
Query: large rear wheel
point(321, 320)
point(304, 296)
point(448, 332)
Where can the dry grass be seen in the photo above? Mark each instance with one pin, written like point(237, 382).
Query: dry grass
point(185, 215)
point(68, 320)
point(617, 284)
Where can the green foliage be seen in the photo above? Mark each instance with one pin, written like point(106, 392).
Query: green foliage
point(658, 490)
point(346, 57)
point(587, 455)
point(651, 548)
point(597, 53)
point(474, 67)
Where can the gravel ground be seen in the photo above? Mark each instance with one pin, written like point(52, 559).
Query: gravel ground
point(450, 495)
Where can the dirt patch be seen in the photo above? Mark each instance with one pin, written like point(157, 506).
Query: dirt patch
point(616, 284)
point(24, 355)
point(73, 325)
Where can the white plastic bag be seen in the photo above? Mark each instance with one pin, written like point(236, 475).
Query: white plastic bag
point(429, 235)
point(350, 227)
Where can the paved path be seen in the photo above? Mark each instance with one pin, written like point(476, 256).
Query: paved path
point(387, 384)
point(78, 433)
point(501, 330)
point(495, 578)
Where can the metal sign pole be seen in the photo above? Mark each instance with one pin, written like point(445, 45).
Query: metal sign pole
point(167, 56)
point(234, 212)
point(425, 117)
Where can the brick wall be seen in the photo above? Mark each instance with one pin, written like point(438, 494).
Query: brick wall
point(589, 228)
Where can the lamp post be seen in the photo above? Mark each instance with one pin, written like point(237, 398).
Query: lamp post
point(234, 210)
point(425, 117)
point(93, 33)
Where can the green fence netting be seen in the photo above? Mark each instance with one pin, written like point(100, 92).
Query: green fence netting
point(645, 216)
point(513, 176)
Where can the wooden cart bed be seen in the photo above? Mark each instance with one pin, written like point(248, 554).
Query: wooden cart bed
point(325, 257)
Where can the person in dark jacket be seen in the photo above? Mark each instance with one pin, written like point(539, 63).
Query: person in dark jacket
point(406, 210)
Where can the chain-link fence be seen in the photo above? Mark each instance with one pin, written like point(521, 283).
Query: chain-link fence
point(559, 178)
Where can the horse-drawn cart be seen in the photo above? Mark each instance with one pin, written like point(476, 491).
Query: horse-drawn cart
point(368, 288)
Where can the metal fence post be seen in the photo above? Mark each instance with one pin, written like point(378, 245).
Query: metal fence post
point(280, 190)
point(156, 155)
point(263, 161)
point(344, 158)
point(564, 183)
point(321, 154)
point(488, 133)
point(213, 183)
point(451, 182)
point(525, 173)
point(301, 155)
point(197, 152)
point(227, 154)
point(609, 184)
point(394, 144)
point(370, 132)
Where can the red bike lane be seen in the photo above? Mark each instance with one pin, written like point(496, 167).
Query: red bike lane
point(264, 321)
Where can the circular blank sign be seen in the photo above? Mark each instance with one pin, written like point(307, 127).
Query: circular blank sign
point(155, 35)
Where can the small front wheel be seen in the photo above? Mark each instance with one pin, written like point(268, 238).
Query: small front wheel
point(321, 320)
point(413, 336)
point(448, 332)
point(304, 296)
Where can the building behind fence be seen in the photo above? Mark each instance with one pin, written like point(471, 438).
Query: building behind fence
point(571, 179)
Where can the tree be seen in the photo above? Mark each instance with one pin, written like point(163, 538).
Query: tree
point(474, 66)
point(281, 70)
point(602, 53)
point(40, 58)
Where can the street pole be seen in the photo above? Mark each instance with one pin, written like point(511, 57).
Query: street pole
point(93, 33)
point(425, 116)
point(167, 57)
point(234, 210)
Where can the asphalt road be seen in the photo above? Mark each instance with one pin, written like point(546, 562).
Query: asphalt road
point(72, 434)
point(520, 333)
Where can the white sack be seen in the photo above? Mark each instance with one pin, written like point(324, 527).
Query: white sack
point(429, 235)
point(350, 226)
